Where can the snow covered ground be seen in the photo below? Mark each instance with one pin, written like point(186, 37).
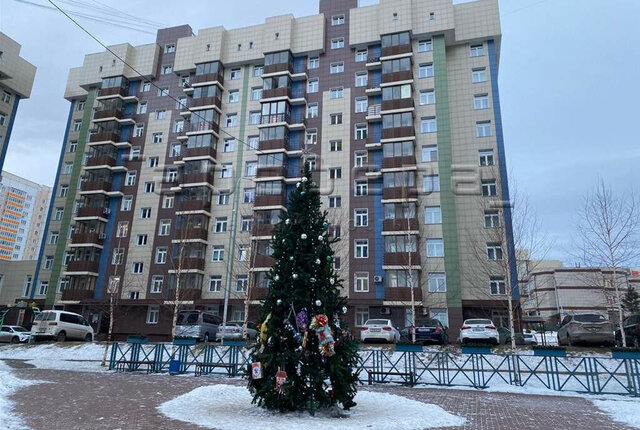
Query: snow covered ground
point(374, 410)
point(80, 357)
point(625, 412)
point(8, 385)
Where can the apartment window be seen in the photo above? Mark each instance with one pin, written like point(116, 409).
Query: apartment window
point(483, 129)
point(312, 110)
point(68, 168)
point(178, 126)
point(361, 55)
point(361, 131)
point(479, 75)
point(432, 215)
point(429, 154)
point(217, 254)
point(312, 85)
point(145, 213)
point(427, 97)
point(53, 238)
point(164, 227)
point(170, 49)
point(335, 202)
point(253, 142)
point(6, 97)
point(362, 248)
point(249, 195)
point(142, 108)
point(431, 184)
point(258, 71)
point(335, 173)
point(58, 214)
point(437, 283)
point(497, 286)
point(426, 70)
point(246, 223)
point(215, 284)
point(362, 315)
point(223, 198)
point(235, 74)
point(167, 202)
point(220, 225)
point(156, 284)
point(137, 267)
point(337, 68)
point(476, 51)
point(432, 16)
point(153, 161)
point(153, 314)
point(163, 92)
point(428, 125)
point(149, 187)
point(73, 146)
point(336, 263)
point(181, 103)
point(337, 43)
point(232, 120)
point(123, 229)
point(161, 114)
point(48, 262)
point(361, 188)
point(435, 248)
point(130, 179)
point(77, 125)
point(175, 150)
point(494, 251)
point(360, 159)
point(251, 168)
point(229, 145)
point(489, 188)
point(44, 286)
point(362, 79)
point(134, 153)
point(226, 171)
point(127, 203)
point(134, 295)
point(313, 63)
point(337, 20)
point(335, 119)
point(241, 283)
point(425, 45)
point(138, 130)
point(486, 157)
point(141, 239)
point(234, 96)
point(256, 93)
point(335, 145)
point(362, 103)
point(167, 69)
point(145, 87)
point(243, 252)
point(336, 93)
point(361, 218)
point(491, 219)
point(361, 282)
point(161, 255)
point(481, 101)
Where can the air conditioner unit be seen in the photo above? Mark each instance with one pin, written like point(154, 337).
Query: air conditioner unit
point(385, 311)
point(106, 211)
point(102, 236)
point(377, 279)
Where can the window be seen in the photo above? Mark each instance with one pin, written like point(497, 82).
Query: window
point(226, 170)
point(335, 202)
point(435, 248)
point(481, 101)
point(258, 71)
point(476, 51)
point(134, 153)
point(243, 252)
point(362, 103)
point(175, 150)
point(229, 145)
point(426, 71)
point(361, 188)
point(178, 126)
point(253, 142)
point(362, 79)
point(479, 75)
point(362, 315)
point(313, 63)
point(337, 68)
point(48, 262)
point(432, 16)
point(361, 282)
point(181, 103)
point(220, 225)
point(362, 248)
point(130, 179)
point(428, 125)
point(149, 187)
point(335, 145)
point(251, 168)
point(58, 214)
point(429, 154)
point(156, 284)
point(337, 43)
point(163, 92)
point(153, 161)
point(241, 283)
point(235, 74)
point(77, 125)
point(145, 213)
point(360, 159)
point(312, 110)
point(234, 96)
point(431, 184)
point(249, 195)
point(6, 97)
point(337, 20)
point(483, 129)
point(437, 283)
point(127, 203)
point(137, 267)
point(335, 119)
point(44, 286)
point(164, 228)
point(489, 188)
point(427, 97)
point(3, 120)
point(161, 255)
point(335, 173)
point(141, 239)
point(134, 295)
point(145, 87)
point(494, 251)
point(246, 223)
point(215, 284)
point(486, 157)
point(361, 55)
point(232, 120)
point(68, 168)
point(336, 263)
point(361, 131)
point(256, 93)
point(361, 218)
point(170, 49)
point(217, 253)
point(312, 85)
point(223, 198)
point(400, 243)
point(497, 286)
point(336, 93)
point(73, 146)
point(167, 69)
point(167, 202)
point(138, 130)
point(153, 314)
point(491, 219)
point(425, 45)
point(432, 215)
point(142, 108)
point(123, 229)
point(64, 190)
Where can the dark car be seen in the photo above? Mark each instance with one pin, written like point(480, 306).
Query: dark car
point(631, 331)
point(430, 331)
point(521, 338)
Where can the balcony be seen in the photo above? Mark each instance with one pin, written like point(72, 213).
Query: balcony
point(275, 200)
point(263, 229)
point(396, 50)
point(188, 263)
point(192, 234)
point(277, 68)
point(202, 126)
point(276, 118)
point(108, 113)
point(373, 113)
point(207, 77)
point(398, 162)
point(399, 193)
point(97, 185)
point(271, 172)
point(258, 293)
point(401, 258)
point(107, 136)
point(92, 212)
point(206, 101)
point(198, 178)
point(115, 91)
point(277, 92)
point(397, 104)
point(200, 152)
point(398, 132)
point(399, 224)
point(83, 266)
point(194, 205)
point(76, 295)
point(404, 75)
point(402, 294)
point(88, 239)
point(186, 294)
point(101, 160)
point(261, 260)
point(268, 145)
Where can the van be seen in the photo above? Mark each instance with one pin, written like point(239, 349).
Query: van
point(199, 325)
point(60, 326)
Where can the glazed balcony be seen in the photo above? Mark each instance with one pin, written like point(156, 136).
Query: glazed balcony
point(206, 101)
point(101, 160)
point(277, 68)
point(188, 263)
point(400, 224)
point(197, 178)
point(105, 136)
point(277, 92)
point(93, 212)
point(76, 295)
point(186, 294)
point(83, 266)
point(274, 200)
point(192, 234)
point(271, 172)
point(395, 50)
point(194, 205)
point(398, 193)
point(88, 239)
point(402, 294)
point(401, 258)
point(108, 113)
point(207, 77)
point(96, 185)
point(403, 75)
point(263, 229)
point(202, 126)
point(200, 152)
point(397, 104)
point(275, 118)
point(397, 162)
point(258, 293)
point(268, 145)
point(398, 132)
point(261, 260)
point(115, 91)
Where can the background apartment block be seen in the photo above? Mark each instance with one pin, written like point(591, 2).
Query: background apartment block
point(182, 173)
point(16, 81)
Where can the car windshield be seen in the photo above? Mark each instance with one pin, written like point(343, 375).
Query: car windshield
point(429, 323)
point(46, 316)
point(377, 322)
point(188, 318)
point(589, 318)
point(479, 322)
point(19, 329)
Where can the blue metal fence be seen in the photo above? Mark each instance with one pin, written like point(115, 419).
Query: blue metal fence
point(587, 374)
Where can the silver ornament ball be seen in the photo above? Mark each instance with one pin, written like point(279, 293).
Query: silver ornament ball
point(318, 303)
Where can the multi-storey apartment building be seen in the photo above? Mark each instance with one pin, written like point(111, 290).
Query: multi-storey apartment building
point(23, 213)
point(177, 163)
point(16, 81)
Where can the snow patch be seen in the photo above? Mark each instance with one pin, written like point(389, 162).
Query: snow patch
point(9, 385)
point(624, 411)
point(226, 407)
point(54, 351)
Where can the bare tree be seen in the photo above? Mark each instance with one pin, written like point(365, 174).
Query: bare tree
point(608, 235)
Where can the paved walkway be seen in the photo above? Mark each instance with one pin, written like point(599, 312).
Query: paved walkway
point(77, 400)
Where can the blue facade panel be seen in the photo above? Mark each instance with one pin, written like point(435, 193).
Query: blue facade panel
point(7, 137)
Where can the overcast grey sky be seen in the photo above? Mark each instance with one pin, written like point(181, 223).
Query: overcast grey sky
point(569, 73)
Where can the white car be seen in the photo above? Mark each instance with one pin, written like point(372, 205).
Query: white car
point(233, 331)
point(14, 334)
point(379, 329)
point(60, 326)
point(479, 330)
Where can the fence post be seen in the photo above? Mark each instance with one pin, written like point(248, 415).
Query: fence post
point(112, 357)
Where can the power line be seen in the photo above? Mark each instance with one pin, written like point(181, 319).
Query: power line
point(524, 7)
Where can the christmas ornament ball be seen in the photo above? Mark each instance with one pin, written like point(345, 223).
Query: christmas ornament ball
point(304, 179)
point(291, 258)
point(279, 302)
point(318, 261)
point(295, 276)
point(287, 221)
point(318, 303)
point(303, 236)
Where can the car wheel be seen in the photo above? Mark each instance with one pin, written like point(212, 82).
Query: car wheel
point(61, 337)
point(88, 337)
point(206, 338)
point(15, 339)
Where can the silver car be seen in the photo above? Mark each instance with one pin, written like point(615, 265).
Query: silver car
point(199, 325)
point(14, 334)
point(233, 331)
point(587, 328)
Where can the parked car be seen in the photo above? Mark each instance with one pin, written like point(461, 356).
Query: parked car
point(631, 331)
point(200, 325)
point(524, 338)
point(379, 329)
point(14, 334)
point(233, 331)
point(588, 328)
point(478, 330)
point(427, 331)
point(60, 326)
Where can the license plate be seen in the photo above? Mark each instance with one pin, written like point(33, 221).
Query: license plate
point(425, 330)
point(478, 329)
point(41, 330)
point(375, 330)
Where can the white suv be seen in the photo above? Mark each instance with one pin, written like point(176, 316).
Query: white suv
point(479, 330)
point(60, 326)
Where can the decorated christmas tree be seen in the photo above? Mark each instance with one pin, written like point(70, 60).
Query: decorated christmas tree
point(305, 358)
